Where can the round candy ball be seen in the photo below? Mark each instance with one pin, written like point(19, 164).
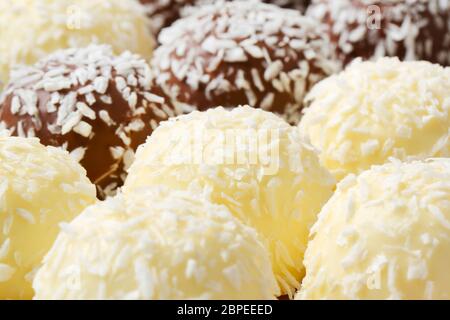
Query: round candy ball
point(243, 52)
point(40, 187)
point(31, 29)
point(156, 245)
point(376, 110)
point(95, 104)
point(410, 30)
point(252, 162)
point(383, 235)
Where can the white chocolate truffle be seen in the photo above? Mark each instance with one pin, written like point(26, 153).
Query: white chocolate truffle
point(30, 29)
point(251, 161)
point(376, 110)
point(156, 245)
point(39, 188)
point(383, 235)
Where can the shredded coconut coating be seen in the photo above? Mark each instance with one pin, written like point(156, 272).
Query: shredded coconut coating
point(409, 29)
point(40, 187)
point(31, 29)
point(157, 244)
point(251, 161)
point(376, 110)
point(94, 104)
point(384, 234)
point(243, 52)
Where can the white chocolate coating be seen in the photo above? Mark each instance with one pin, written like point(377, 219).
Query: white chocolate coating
point(156, 244)
point(383, 235)
point(249, 160)
point(40, 187)
point(376, 110)
point(33, 28)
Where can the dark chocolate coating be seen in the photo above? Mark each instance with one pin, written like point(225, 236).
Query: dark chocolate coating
point(426, 35)
point(243, 81)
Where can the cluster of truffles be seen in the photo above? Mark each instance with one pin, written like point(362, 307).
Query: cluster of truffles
point(94, 104)
point(249, 160)
point(233, 158)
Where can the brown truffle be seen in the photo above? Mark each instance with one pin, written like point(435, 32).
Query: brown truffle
point(244, 52)
point(410, 30)
point(98, 106)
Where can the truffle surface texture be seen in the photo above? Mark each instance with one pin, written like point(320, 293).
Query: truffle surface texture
point(40, 187)
point(94, 104)
point(32, 29)
point(384, 234)
point(410, 30)
point(244, 52)
point(252, 162)
point(376, 110)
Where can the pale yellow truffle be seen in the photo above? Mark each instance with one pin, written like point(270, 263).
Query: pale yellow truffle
point(383, 235)
point(156, 244)
point(251, 161)
point(376, 110)
point(39, 188)
point(30, 29)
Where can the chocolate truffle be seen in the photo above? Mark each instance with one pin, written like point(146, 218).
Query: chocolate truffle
point(383, 235)
point(376, 110)
point(410, 30)
point(40, 187)
point(94, 104)
point(158, 244)
point(244, 52)
point(252, 162)
point(31, 29)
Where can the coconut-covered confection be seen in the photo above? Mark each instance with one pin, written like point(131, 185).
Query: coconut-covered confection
point(94, 104)
point(157, 244)
point(376, 110)
point(384, 234)
point(31, 29)
point(244, 52)
point(40, 187)
point(408, 29)
point(252, 162)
